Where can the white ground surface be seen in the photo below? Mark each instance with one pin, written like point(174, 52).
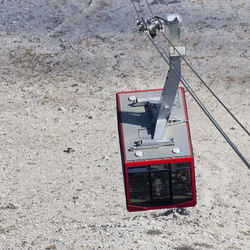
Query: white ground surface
point(62, 61)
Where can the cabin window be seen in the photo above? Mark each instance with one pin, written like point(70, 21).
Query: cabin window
point(160, 185)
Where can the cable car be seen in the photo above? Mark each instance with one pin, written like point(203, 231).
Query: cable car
point(155, 176)
point(155, 142)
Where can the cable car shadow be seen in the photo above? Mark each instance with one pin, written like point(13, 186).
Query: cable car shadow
point(141, 119)
point(173, 212)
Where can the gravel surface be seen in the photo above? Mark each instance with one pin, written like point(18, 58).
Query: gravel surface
point(61, 177)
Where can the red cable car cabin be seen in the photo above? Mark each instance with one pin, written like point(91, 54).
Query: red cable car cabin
point(155, 177)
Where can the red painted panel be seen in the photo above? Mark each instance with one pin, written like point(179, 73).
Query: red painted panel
point(154, 162)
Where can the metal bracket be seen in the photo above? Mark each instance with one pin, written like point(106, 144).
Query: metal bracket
point(160, 108)
point(149, 144)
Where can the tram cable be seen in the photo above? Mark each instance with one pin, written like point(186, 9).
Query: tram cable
point(194, 71)
point(210, 90)
point(187, 86)
point(150, 10)
point(198, 101)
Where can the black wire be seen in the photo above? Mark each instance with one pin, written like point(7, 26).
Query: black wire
point(135, 9)
point(187, 86)
point(217, 98)
point(150, 10)
point(198, 101)
point(139, 5)
point(199, 77)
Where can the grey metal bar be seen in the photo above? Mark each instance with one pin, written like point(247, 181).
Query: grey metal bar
point(198, 101)
point(187, 86)
point(217, 98)
point(167, 97)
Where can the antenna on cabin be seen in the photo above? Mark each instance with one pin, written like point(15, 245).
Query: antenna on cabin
point(155, 141)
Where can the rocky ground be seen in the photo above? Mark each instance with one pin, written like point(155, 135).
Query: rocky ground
point(61, 178)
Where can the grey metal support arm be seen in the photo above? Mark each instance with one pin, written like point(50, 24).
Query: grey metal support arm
point(165, 103)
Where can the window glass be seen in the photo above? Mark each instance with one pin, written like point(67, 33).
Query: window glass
point(158, 167)
point(181, 181)
point(139, 189)
point(159, 185)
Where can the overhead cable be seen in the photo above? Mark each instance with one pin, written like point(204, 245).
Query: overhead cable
point(199, 77)
point(187, 86)
point(198, 101)
point(196, 73)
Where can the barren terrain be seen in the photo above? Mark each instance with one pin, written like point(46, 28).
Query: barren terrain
point(62, 62)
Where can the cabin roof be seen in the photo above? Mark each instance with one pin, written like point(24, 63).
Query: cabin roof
point(137, 124)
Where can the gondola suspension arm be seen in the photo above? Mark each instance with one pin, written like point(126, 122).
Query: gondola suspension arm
point(150, 27)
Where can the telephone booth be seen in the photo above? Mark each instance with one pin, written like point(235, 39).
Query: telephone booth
point(157, 173)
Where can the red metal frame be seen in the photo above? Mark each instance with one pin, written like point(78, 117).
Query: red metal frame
point(153, 162)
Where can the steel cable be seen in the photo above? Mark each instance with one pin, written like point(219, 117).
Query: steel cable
point(198, 101)
point(211, 91)
point(189, 89)
point(198, 76)
point(150, 10)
